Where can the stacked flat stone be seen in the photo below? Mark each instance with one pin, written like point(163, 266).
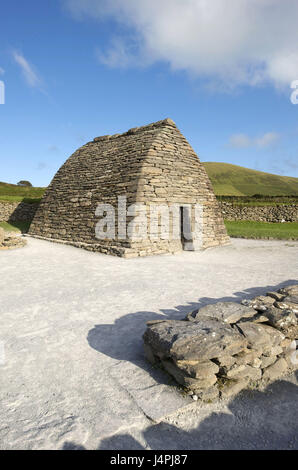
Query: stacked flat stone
point(153, 164)
point(222, 348)
point(278, 213)
point(17, 211)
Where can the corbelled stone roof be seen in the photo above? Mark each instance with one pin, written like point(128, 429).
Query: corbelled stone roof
point(137, 130)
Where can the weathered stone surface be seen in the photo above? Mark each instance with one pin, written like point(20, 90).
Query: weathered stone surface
point(267, 361)
point(283, 320)
point(243, 371)
point(276, 295)
point(200, 384)
point(289, 290)
point(262, 303)
point(208, 394)
point(255, 334)
point(259, 318)
point(198, 369)
point(184, 340)
point(229, 312)
point(248, 356)
point(190, 382)
point(232, 387)
point(1, 235)
point(276, 336)
point(150, 165)
point(225, 360)
point(149, 354)
point(286, 304)
point(293, 299)
point(276, 370)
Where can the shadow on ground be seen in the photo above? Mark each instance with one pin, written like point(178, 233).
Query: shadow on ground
point(257, 420)
point(123, 339)
point(254, 420)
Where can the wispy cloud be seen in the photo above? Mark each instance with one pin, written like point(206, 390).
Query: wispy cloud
point(291, 163)
point(244, 141)
point(41, 166)
point(2, 71)
point(30, 75)
point(267, 139)
point(240, 141)
point(229, 42)
point(53, 149)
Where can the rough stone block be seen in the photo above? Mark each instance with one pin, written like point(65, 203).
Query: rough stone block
point(276, 370)
point(228, 312)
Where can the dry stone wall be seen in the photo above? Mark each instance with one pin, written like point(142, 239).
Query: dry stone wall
point(280, 213)
point(150, 165)
point(17, 211)
point(222, 348)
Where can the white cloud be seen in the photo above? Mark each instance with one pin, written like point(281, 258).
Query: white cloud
point(41, 166)
point(2, 71)
point(227, 41)
point(240, 141)
point(244, 141)
point(53, 148)
point(267, 139)
point(28, 72)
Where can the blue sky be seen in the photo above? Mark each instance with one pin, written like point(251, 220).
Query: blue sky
point(75, 69)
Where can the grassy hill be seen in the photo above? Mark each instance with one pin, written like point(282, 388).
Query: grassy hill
point(233, 180)
point(13, 192)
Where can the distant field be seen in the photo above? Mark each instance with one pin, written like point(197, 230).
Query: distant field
point(236, 180)
point(250, 229)
point(15, 193)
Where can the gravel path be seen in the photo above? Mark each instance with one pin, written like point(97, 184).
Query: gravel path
point(74, 376)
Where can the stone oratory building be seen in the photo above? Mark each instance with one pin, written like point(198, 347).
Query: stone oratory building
point(139, 193)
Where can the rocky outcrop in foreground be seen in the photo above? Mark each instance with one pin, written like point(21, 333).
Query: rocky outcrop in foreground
point(9, 240)
point(222, 348)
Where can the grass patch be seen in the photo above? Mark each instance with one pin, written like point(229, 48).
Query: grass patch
point(251, 229)
point(15, 226)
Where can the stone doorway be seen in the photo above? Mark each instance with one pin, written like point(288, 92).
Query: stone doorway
point(185, 228)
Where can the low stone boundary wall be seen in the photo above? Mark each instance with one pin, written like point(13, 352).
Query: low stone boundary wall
point(280, 213)
point(222, 348)
point(17, 211)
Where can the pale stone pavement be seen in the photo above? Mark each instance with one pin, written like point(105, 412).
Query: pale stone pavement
point(74, 376)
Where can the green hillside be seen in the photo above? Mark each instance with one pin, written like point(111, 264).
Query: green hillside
point(233, 180)
point(13, 192)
